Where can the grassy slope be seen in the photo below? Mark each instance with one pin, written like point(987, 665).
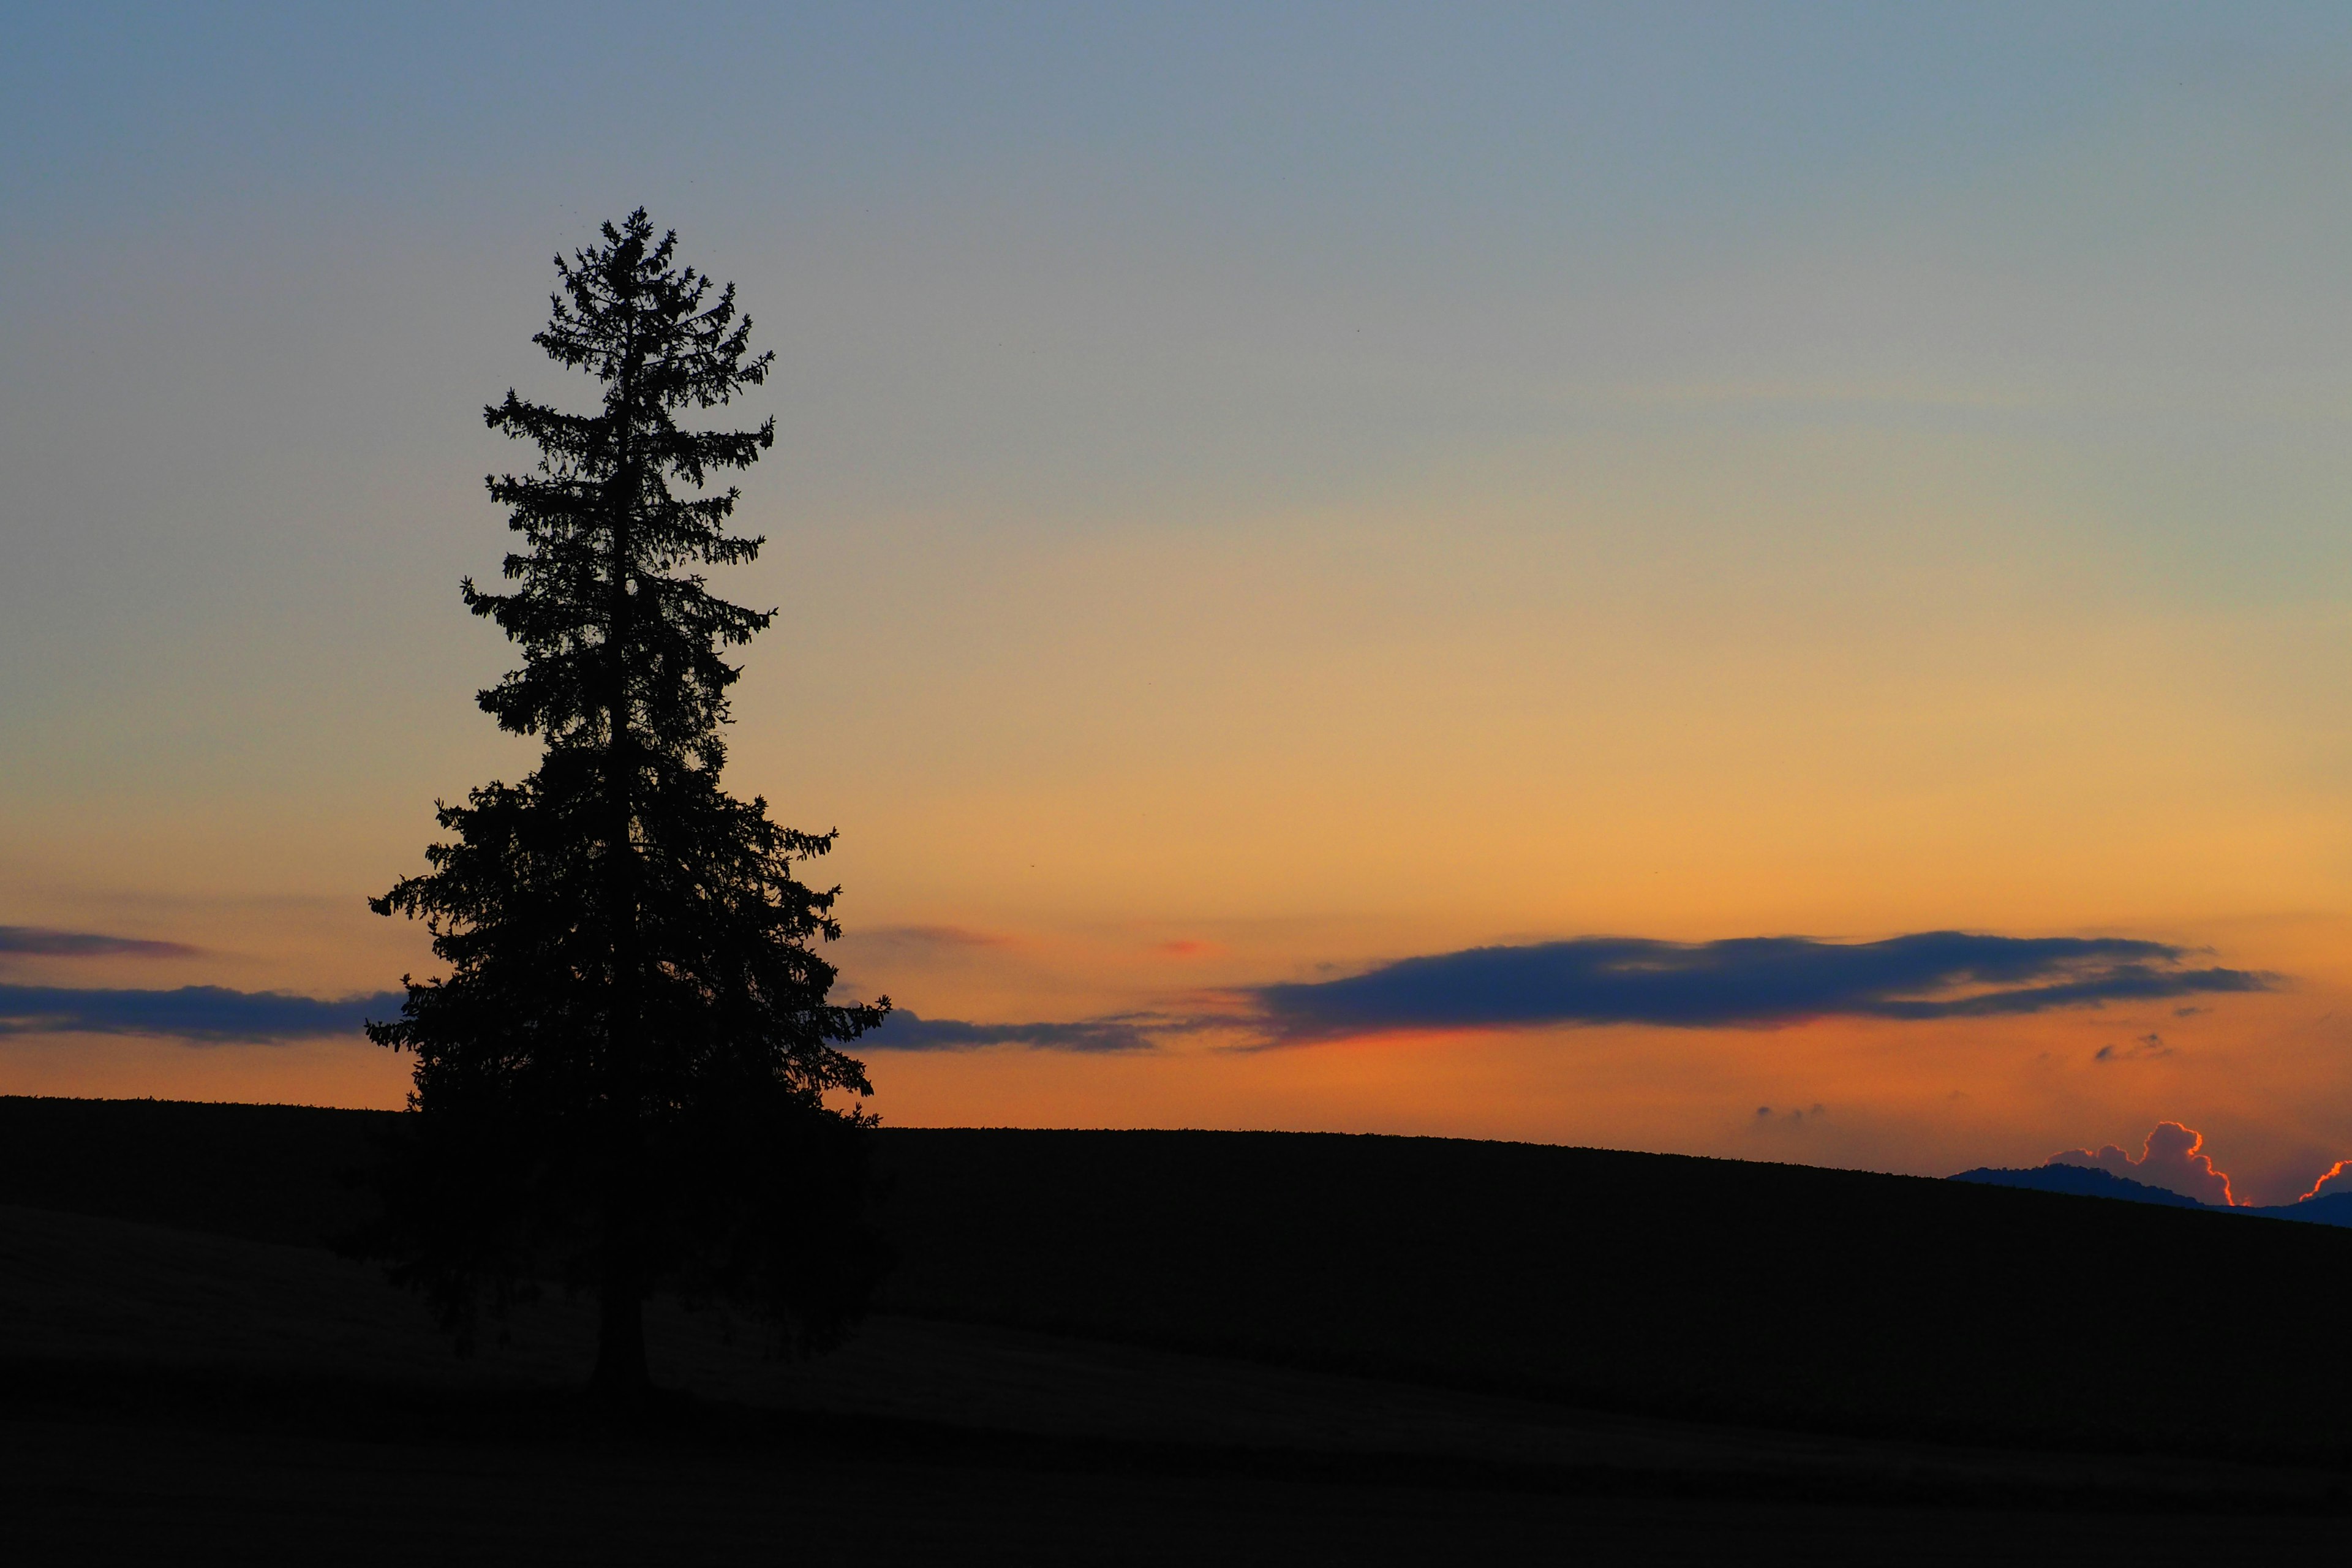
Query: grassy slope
point(1772, 1293)
point(1706, 1287)
point(103, 1313)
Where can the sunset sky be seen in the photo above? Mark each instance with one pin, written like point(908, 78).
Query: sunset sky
point(1268, 501)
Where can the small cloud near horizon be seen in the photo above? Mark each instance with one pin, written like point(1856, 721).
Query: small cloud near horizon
point(2147, 1047)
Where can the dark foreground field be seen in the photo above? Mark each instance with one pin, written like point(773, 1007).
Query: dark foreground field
point(1178, 1346)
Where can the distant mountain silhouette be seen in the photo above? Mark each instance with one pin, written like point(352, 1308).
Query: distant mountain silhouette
point(2082, 1181)
point(2336, 1208)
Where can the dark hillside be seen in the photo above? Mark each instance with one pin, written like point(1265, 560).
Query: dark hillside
point(1768, 1293)
point(1658, 1282)
point(290, 1173)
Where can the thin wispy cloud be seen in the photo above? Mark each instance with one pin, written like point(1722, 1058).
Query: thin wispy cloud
point(932, 936)
point(42, 942)
point(200, 1014)
point(1744, 982)
point(1125, 1032)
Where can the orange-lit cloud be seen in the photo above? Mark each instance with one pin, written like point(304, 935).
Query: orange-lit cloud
point(2173, 1158)
point(2337, 1173)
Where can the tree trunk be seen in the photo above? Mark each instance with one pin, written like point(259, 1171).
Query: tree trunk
point(620, 1374)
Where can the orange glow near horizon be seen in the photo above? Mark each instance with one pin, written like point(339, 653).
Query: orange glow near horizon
point(1214, 561)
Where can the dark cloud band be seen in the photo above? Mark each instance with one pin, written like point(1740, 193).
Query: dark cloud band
point(207, 1014)
point(903, 1031)
point(1745, 983)
point(47, 943)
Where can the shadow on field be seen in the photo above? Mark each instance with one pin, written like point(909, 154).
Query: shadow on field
point(1160, 1347)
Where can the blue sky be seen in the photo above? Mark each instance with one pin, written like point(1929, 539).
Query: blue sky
point(1262, 493)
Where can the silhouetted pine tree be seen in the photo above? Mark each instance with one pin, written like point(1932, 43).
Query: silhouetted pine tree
point(622, 1079)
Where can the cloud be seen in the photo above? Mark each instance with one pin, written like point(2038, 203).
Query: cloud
point(1121, 1032)
point(933, 936)
point(47, 943)
point(204, 1015)
point(2173, 1158)
point(1743, 982)
point(2148, 1047)
point(2338, 1179)
point(212, 1015)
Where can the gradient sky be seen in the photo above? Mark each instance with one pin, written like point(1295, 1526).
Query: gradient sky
point(1261, 494)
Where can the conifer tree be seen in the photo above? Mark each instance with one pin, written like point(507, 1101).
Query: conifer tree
point(622, 1079)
